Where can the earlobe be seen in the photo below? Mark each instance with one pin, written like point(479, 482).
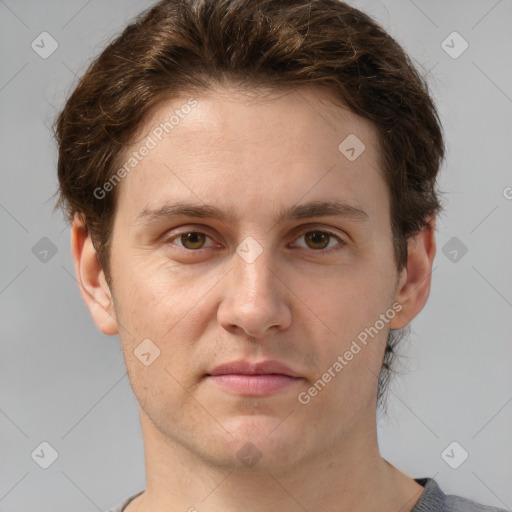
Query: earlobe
point(414, 284)
point(91, 279)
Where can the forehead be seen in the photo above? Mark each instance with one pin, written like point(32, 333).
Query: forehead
point(254, 150)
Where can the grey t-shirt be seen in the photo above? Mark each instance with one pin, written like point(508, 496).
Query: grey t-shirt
point(432, 499)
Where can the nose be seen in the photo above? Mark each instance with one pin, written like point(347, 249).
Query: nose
point(255, 297)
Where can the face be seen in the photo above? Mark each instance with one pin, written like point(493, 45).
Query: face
point(264, 273)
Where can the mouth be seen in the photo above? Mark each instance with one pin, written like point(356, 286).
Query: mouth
point(253, 379)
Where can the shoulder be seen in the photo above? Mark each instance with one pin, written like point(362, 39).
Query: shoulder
point(459, 504)
point(434, 499)
point(121, 506)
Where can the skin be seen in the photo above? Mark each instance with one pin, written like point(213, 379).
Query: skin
point(256, 156)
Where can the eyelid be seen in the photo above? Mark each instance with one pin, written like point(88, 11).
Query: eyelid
point(202, 230)
point(300, 231)
point(310, 228)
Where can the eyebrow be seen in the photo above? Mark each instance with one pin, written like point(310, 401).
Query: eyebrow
point(296, 212)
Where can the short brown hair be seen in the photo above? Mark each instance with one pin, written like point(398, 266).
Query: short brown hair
point(180, 46)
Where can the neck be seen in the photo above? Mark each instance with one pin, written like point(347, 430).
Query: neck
point(350, 476)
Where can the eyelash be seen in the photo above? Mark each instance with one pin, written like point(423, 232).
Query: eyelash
point(320, 252)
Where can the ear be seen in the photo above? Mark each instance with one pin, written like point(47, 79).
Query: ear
point(414, 280)
point(91, 279)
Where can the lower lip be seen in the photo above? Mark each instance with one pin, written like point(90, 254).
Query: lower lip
point(253, 385)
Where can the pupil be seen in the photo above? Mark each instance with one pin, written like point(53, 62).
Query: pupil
point(317, 237)
point(192, 238)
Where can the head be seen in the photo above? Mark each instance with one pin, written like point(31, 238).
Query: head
point(250, 110)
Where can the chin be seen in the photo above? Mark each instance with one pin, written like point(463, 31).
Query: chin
point(259, 443)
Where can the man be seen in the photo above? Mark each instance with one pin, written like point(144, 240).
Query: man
point(251, 186)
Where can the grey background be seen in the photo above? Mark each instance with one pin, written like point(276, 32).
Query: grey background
point(63, 382)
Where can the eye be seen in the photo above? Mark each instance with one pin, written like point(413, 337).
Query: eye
point(319, 240)
point(191, 240)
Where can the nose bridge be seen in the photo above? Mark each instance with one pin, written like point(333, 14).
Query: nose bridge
point(253, 299)
point(253, 273)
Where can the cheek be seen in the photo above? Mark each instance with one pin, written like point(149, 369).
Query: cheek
point(349, 300)
point(158, 303)
point(155, 295)
point(350, 305)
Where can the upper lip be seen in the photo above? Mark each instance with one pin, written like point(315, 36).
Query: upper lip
point(244, 367)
